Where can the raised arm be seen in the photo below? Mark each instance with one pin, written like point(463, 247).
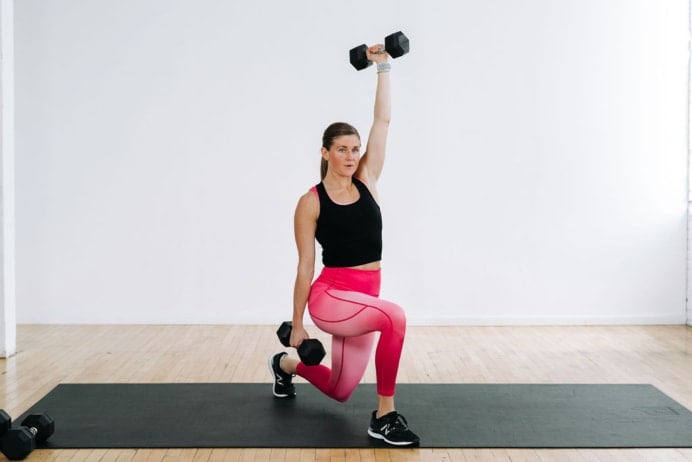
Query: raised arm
point(371, 164)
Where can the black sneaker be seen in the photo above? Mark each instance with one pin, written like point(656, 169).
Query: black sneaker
point(393, 429)
point(283, 382)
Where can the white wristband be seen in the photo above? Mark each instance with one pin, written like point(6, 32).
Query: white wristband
point(383, 67)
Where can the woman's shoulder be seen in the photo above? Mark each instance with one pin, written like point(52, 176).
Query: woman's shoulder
point(310, 200)
point(364, 183)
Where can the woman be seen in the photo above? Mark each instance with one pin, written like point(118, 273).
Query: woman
point(343, 215)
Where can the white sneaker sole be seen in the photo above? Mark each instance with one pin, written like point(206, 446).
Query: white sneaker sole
point(393, 443)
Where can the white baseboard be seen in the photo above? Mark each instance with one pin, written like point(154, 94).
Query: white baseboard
point(546, 321)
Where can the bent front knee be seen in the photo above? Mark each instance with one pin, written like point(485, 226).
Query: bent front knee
point(397, 317)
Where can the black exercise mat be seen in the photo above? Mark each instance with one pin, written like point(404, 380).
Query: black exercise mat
point(444, 415)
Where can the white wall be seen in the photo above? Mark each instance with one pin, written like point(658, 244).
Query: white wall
point(536, 171)
point(8, 311)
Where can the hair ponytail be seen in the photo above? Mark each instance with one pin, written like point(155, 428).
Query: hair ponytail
point(324, 164)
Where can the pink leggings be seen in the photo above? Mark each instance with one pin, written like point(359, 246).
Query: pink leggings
point(344, 303)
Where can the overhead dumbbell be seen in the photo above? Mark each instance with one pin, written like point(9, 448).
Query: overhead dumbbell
point(310, 350)
point(395, 44)
point(17, 443)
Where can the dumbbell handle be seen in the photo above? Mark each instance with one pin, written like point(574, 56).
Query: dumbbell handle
point(310, 351)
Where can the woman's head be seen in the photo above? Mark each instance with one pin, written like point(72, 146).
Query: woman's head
point(332, 132)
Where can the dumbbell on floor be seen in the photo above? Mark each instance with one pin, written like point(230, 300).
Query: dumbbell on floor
point(310, 350)
point(5, 422)
point(395, 44)
point(17, 443)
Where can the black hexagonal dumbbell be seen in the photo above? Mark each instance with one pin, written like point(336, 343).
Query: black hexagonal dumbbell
point(17, 443)
point(395, 44)
point(5, 422)
point(310, 350)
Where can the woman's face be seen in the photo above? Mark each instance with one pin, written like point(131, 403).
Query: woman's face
point(343, 155)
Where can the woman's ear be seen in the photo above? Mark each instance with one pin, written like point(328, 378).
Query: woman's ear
point(325, 153)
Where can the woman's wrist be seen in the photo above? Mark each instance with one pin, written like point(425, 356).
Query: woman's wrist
point(383, 67)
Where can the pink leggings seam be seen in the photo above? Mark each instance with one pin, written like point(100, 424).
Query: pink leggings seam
point(355, 314)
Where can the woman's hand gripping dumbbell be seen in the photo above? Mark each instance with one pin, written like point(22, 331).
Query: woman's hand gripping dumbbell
point(310, 350)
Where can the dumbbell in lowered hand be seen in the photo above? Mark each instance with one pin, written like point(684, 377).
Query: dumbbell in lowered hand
point(17, 443)
point(310, 350)
point(395, 44)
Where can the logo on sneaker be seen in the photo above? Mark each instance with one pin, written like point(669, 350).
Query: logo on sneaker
point(283, 384)
point(393, 429)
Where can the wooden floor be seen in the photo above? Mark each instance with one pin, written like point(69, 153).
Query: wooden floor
point(49, 355)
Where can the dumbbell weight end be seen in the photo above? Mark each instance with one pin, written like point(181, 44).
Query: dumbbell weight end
point(359, 57)
point(396, 44)
point(18, 443)
point(5, 422)
point(41, 425)
point(311, 351)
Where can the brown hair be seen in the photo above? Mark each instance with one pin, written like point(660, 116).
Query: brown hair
point(333, 131)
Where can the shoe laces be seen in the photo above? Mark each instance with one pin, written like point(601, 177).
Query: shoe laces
point(396, 422)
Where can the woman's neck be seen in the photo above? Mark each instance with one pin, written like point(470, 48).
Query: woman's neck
point(336, 182)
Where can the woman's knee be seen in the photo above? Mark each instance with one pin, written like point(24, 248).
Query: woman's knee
point(342, 396)
point(342, 391)
point(397, 317)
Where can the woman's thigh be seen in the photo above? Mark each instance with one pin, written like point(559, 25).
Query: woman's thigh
point(348, 314)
